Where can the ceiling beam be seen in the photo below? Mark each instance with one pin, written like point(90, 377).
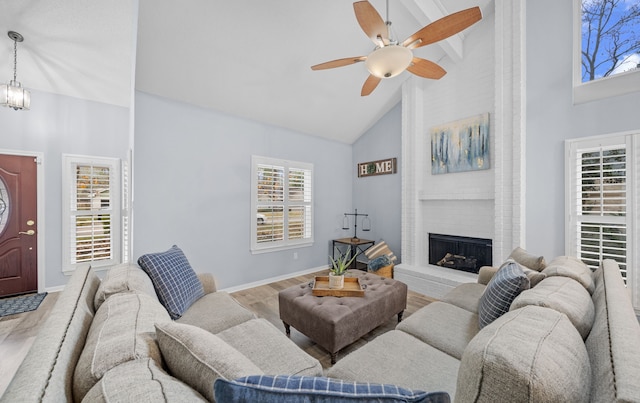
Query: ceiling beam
point(428, 11)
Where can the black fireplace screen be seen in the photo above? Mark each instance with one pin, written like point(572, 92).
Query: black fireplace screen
point(460, 252)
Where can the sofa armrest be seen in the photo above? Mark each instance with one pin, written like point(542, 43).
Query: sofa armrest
point(208, 282)
point(486, 273)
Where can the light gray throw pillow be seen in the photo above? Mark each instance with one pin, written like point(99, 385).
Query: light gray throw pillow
point(198, 357)
point(527, 259)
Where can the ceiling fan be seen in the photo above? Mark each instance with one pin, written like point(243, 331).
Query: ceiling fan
point(391, 57)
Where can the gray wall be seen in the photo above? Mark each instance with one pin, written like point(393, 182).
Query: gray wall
point(55, 125)
point(380, 196)
point(552, 118)
point(192, 172)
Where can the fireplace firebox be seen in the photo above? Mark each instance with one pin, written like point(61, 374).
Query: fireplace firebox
point(460, 252)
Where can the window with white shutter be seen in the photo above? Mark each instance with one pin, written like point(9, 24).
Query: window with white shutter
point(281, 204)
point(91, 212)
point(599, 200)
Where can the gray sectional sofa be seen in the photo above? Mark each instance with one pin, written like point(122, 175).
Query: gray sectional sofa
point(112, 340)
point(573, 337)
point(569, 338)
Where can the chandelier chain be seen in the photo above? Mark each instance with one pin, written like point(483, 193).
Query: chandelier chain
point(15, 59)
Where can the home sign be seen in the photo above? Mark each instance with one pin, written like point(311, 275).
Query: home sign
point(380, 167)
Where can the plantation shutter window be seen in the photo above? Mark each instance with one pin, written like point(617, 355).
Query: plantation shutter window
point(92, 217)
point(281, 204)
point(270, 203)
point(299, 203)
point(599, 224)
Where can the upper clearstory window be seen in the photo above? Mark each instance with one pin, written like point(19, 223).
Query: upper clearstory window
point(606, 48)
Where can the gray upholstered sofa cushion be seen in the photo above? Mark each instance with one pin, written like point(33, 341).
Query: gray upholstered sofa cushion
point(198, 357)
point(269, 349)
point(613, 342)
point(122, 278)
point(465, 296)
point(122, 330)
point(562, 294)
point(400, 359)
point(216, 312)
point(568, 266)
point(443, 326)
point(532, 354)
point(140, 381)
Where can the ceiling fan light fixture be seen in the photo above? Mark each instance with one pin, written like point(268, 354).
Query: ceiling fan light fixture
point(389, 61)
point(13, 95)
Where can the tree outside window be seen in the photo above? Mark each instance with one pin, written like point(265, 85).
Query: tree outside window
point(610, 37)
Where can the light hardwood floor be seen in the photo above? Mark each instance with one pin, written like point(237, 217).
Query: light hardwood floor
point(17, 332)
point(263, 300)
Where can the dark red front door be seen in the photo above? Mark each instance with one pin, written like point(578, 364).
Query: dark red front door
point(18, 236)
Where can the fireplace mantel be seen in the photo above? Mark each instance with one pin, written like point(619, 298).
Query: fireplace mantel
point(427, 196)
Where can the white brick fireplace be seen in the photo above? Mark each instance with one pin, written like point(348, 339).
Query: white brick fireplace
point(482, 204)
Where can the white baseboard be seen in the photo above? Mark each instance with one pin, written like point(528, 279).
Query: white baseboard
point(57, 288)
point(272, 279)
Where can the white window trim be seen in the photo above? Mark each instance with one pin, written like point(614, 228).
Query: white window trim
point(69, 161)
point(631, 139)
point(606, 87)
point(257, 248)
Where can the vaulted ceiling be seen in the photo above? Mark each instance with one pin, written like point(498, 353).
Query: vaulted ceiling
point(245, 58)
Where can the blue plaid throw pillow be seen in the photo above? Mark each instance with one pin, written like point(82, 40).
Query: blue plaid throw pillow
point(293, 388)
point(173, 278)
point(508, 282)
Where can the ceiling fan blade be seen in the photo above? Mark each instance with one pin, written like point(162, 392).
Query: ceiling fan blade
point(371, 23)
point(369, 85)
point(339, 63)
point(444, 28)
point(425, 68)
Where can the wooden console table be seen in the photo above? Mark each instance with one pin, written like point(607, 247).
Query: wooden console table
point(355, 245)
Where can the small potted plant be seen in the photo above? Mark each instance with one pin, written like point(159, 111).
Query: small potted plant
point(338, 267)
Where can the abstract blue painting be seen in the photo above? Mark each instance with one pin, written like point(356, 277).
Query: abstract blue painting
point(460, 146)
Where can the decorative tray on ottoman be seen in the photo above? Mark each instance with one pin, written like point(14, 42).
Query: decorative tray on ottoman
point(352, 287)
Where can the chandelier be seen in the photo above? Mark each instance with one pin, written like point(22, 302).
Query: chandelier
point(13, 94)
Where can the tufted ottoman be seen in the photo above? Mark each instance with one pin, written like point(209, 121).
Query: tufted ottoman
point(336, 322)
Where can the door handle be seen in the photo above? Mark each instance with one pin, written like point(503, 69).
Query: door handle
point(30, 232)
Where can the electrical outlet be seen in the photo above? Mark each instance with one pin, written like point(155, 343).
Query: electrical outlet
point(295, 255)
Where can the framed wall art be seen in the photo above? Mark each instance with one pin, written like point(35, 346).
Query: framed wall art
point(460, 146)
point(380, 167)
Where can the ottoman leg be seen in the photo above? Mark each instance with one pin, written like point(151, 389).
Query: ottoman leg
point(400, 316)
point(333, 357)
point(287, 329)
